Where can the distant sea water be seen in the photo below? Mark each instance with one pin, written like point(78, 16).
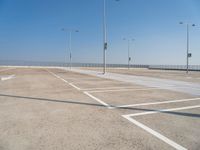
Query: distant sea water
point(29, 63)
point(62, 64)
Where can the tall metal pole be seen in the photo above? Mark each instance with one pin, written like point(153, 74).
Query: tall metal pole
point(188, 55)
point(128, 54)
point(129, 58)
point(70, 52)
point(66, 63)
point(70, 43)
point(105, 44)
point(104, 36)
point(187, 48)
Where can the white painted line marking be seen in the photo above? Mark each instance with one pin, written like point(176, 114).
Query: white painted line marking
point(156, 103)
point(119, 90)
point(98, 100)
point(7, 77)
point(86, 93)
point(71, 84)
point(156, 134)
point(57, 76)
point(69, 78)
point(109, 88)
point(74, 86)
point(163, 110)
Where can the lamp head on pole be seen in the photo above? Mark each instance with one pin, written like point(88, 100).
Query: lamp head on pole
point(181, 22)
point(189, 24)
point(68, 29)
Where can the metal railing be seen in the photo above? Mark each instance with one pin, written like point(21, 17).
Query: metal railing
point(61, 64)
point(175, 67)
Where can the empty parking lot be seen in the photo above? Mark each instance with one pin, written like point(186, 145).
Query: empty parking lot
point(55, 108)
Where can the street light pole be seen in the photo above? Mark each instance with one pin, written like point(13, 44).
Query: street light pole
point(129, 58)
point(70, 43)
point(70, 52)
point(105, 43)
point(129, 54)
point(187, 48)
point(188, 55)
point(104, 36)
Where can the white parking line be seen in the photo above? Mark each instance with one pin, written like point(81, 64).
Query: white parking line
point(119, 90)
point(63, 80)
point(78, 80)
point(7, 77)
point(71, 84)
point(163, 110)
point(86, 93)
point(156, 134)
point(156, 103)
point(57, 76)
point(108, 88)
point(98, 100)
point(74, 86)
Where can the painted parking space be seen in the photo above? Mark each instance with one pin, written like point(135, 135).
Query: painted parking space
point(133, 97)
point(110, 114)
point(178, 127)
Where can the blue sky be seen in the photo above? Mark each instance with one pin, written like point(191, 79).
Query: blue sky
point(30, 30)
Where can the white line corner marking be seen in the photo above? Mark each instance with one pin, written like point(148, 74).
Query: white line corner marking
point(71, 84)
point(79, 89)
point(74, 86)
point(157, 103)
point(98, 100)
point(156, 134)
point(7, 77)
point(124, 89)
